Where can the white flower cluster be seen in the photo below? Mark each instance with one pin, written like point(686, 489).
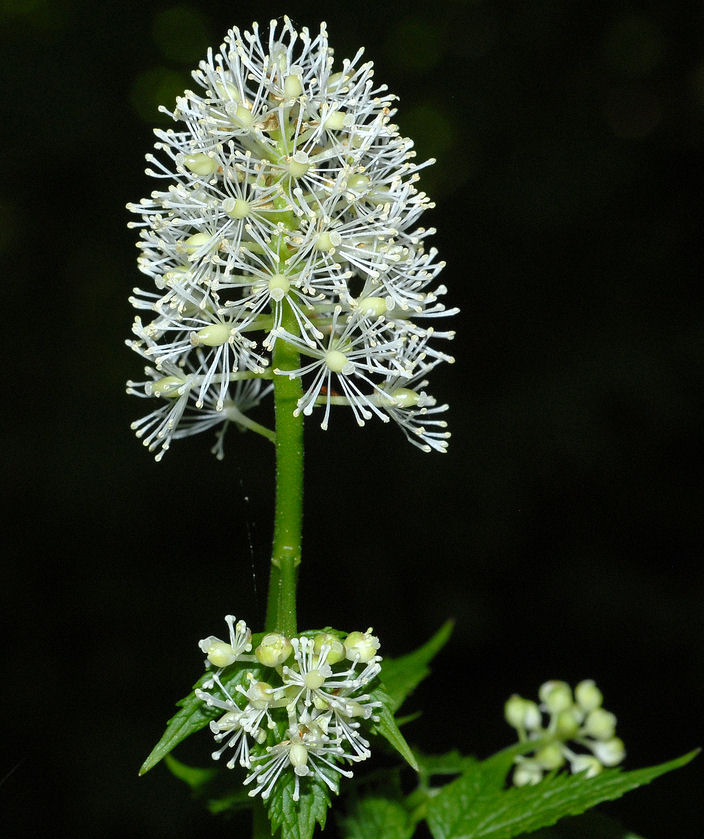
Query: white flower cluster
point(305, 717)
point(576, 717)
point(289, 214)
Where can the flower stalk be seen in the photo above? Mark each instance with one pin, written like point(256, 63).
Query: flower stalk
point(288, 514)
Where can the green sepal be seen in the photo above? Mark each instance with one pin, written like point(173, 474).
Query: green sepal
point(475, 806)
point(402, 675)
point(297, 819)
point(194, 714)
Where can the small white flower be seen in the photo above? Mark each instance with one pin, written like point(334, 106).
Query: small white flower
point(220, 653)
point(307, 751)
point(313, 680)
point(308, 716)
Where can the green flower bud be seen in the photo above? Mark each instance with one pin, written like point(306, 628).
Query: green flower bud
point(556, 696)
point(609, 752)
point(327, 240)
point(336, 649)
point(298, 757)
point(195, 242)
point(292, 86)
point(200, 164)
point(336, 361)
point(405, 397)
point(600, 724)
point(226, 722)
point(236, 207)
point(168, 386)
point(313, 679)
point(521, 713)
point(260, 694)
point(550, 757)
point(298, 165)
point(213, 335)
point(514, 711)
point(273, 650)
point(567, 724)
point(240, 115)
point(361, 646)
point(221, 654)
point(336, 81)
point(527, 773)
point(336, 121)
point(177, 274)
point(358, 183)
point(587, 764)
point(278, 286)
point(354, 709)
point(588, 695)
point(372, 306)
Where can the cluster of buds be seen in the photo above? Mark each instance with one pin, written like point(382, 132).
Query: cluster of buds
point(304, 715)
point(289, 215)
point(562, 720)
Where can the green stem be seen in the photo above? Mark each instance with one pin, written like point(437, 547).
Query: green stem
point(288, 515)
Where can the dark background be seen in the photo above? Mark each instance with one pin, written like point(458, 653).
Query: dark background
point(562, 531)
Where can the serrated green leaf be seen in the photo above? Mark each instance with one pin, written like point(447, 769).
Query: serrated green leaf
point(230, 802)
point(408, 718)
point(194, 776)
point(451, 763)
point(587, 826)
point(402, 675)
point(376, 817)
point(213, 785)
point(195, 714)
point(386, 726)
point(495, 768)
point(297, 819)
point(469, 809)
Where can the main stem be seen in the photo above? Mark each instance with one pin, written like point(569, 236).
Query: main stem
point(288, 515)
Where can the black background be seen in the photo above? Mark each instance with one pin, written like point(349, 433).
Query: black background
point(562, 531)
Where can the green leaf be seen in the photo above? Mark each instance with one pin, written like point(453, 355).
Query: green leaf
point(587, 826)
point(376, 817)
point(495, 768)
point(297, 819)
point(472, 807)
point(194, 776)
point(402, 675)
point(386, 726)
point(195, 714)
point(222, 789)
point(229, 802)
point(451, 763)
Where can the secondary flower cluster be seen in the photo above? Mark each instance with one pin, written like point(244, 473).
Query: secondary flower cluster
point(289, 214)
point(576, 717)
point(305, 716)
